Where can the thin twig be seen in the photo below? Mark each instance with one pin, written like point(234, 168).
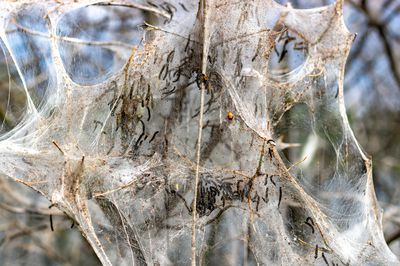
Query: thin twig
point(204, 17)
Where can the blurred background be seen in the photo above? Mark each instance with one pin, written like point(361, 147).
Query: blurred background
point(31, 233)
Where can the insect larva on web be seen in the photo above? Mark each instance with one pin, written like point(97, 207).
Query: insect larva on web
point(280, 196)
point(311, 225)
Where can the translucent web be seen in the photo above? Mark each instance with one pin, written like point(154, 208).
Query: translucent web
point(185, 132)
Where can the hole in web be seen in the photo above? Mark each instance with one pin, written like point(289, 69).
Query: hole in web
point(96, 41)
point(13, 99)
point(28, 37)
point(288, 55)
